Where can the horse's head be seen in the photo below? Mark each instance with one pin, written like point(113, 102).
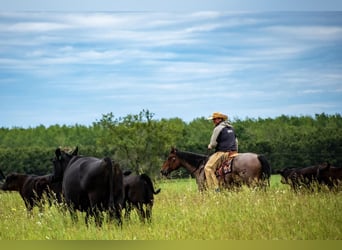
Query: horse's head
point(171, 163)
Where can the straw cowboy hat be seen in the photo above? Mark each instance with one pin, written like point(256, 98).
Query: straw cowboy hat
point(218, 115)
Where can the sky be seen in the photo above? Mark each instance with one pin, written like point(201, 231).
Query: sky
point(70, 62)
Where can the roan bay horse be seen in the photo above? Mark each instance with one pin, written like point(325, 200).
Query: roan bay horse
point(247, 169)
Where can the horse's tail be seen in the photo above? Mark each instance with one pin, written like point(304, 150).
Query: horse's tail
point(266, 168)
point(149, 183)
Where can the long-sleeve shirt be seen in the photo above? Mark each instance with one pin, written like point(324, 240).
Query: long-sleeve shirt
point(223, 138)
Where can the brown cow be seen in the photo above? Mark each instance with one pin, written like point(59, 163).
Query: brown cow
point(329, 175)
point(299, 177)
point(31, 188)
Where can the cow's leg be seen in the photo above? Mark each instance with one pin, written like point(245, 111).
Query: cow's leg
point(118, 214)
point(86, 218)
point(29, 207)
point(40, 202)
point(97, 214)
point(141, 212)
point(73, 214)
point(128, 209)
point(94, 210)
point(149, 212)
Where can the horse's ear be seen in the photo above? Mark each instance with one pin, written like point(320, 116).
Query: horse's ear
point(173, 149)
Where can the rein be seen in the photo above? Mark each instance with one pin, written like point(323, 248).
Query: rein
point(203, 164)
point(195, 170)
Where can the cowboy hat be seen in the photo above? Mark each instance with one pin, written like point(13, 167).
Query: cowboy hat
point(218, 115)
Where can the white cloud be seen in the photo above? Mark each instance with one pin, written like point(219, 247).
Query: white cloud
point(34, 27)
point(121, 61)
point(312, 33)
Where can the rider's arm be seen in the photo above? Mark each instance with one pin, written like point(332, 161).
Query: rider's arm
point(213, 139)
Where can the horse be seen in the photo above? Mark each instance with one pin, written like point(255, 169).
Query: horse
point(247, 169)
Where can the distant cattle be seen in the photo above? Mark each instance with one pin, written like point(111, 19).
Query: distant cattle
point(32, 187)
point(2, 178)
point(299, 177)
point(139, 194)
point(90, 184)
point(329, 175)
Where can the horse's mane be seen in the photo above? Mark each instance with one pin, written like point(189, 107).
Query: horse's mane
point(193, 159)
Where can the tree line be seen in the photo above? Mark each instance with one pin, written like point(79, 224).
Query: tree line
point(141, 143)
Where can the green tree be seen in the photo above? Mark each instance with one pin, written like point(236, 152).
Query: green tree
point(137, 141)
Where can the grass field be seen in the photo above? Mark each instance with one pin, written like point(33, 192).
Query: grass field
point(181, 212)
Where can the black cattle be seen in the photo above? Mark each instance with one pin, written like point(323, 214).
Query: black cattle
point(32, 187)
point(329, 175)
point(299, 177)
point(90, 184)
point(2, 178)
point(50, 186)
point(139, 194)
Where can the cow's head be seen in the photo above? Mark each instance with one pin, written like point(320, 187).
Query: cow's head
point(61, 161)
point(286, 175)
point(13, 182)
point(323, 173)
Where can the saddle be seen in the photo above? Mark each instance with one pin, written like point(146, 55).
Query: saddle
point(226, 166)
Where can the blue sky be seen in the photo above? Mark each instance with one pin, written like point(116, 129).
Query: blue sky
point(67, 64)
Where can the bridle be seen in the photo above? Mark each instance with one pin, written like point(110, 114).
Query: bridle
point(174, 159)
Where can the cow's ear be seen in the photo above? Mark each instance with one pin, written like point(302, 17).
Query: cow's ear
point(324, 166)
point(58, 153)
point(328, 165)
point(75, 152)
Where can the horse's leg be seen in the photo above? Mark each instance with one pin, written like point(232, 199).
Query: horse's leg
point(223, 182)
point(201, 180)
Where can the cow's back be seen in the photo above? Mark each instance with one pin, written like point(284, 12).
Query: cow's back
point(330, 175)
point(135, 190)
point(85, 182)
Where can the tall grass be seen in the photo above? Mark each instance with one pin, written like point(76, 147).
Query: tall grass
point(181, 212)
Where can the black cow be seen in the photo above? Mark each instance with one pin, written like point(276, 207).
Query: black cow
point(2, 178)
point(299, 177)
point(329, 175)
point(90, 184)
point(32, 187)
point(139, 193)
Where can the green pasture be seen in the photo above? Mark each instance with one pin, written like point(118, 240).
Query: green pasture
point(181, 212)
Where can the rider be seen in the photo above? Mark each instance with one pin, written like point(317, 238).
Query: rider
point(224, 140)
